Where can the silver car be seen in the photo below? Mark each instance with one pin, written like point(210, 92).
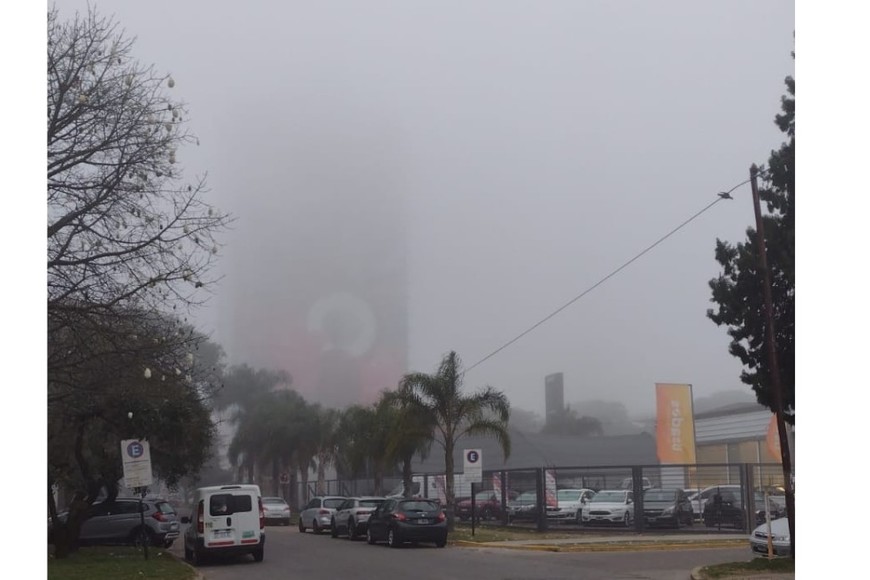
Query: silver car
point(120, 522)
point(317, 514)
point(780, 538)
point(275, 509)
point(352, 516)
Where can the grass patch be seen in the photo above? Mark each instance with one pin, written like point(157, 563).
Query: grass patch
point(752, 567)
point(490, 534)
point(118, 563)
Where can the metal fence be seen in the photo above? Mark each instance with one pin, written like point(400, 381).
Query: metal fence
point(717, 497)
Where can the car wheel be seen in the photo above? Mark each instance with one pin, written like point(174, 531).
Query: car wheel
point(142, 537)
point(301, 526)
point(626, 520)
point(316, 528)
point(196, 557)
point(441, 543)
point(333, 530)
point(188, 554)
point(351, 530)
point(393, 539)
point(369, 537)
point(167, 544)
point(258, 554)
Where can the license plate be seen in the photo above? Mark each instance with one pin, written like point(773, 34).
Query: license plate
point(223, 533)
point(424, 521)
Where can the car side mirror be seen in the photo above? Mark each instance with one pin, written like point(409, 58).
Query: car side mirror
point(185, 520)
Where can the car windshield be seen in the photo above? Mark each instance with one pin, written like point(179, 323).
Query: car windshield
point(333, 503)
point(418, 506)
point(569, 495)
point(608, 496)
point(372, 503)
point(659, 495)
point(527, 496)
point(274, 500)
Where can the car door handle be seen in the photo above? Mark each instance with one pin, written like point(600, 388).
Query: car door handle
point(229, 522)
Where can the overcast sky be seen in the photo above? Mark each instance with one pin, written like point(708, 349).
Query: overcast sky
point(493, 159)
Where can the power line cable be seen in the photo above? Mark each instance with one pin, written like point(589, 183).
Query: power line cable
point(720, 196)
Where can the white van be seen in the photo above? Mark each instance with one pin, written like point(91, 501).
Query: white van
point(226, 519)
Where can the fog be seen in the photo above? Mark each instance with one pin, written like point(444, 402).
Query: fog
point(411, 178)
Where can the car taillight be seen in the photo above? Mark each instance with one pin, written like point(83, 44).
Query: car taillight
point(399, 516)
point(159, 516)
point(324, 512)
point(262, 513)
point(200, 523)
point(441, 517)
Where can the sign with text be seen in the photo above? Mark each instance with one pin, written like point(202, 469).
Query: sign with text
point(136, 457)
point(675, 423)
point(550, 493)
point(774, 446)
point(473, 465)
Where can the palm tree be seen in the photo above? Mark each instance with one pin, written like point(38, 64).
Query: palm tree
point(456, 414)
point(411, 433)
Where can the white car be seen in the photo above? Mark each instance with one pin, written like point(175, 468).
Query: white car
point(352, 516)
point(318, 513)
point(571, 502)
point(781, 539)
point(610, 506)
point(276, 510)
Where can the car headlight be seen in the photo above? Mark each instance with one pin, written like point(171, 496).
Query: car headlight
point(669, 511)
point(780, 538)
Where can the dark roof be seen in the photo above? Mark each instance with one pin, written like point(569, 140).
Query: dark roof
point(529, 450)
point(735, 409)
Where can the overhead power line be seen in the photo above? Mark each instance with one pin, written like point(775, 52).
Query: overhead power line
point(719, 197)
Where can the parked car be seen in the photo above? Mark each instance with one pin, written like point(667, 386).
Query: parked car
point(227, 519)
point(700, 498)
point(727, 508)
point(609, 506)
point(628, 483)
point(397, 521)
point(276, 510)
point(669, 506)
point(570, 503)
point(524, 507)
point(781, 538)
point(120, 522)
point(487, 505)
point(317, 514)
point(352, 516)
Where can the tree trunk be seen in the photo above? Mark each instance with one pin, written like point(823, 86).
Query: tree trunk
point(304, 472)
point(448, 464)
point(407, 482)
point(276, 478)
point(321, 475)
point(294, 489)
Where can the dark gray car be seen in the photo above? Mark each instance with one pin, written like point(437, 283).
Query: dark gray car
point(119, 522)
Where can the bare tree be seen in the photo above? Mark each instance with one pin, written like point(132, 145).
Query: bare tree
point(124, 228)
point(130, 248)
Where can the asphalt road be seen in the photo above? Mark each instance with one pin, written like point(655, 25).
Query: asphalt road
point(290, 554)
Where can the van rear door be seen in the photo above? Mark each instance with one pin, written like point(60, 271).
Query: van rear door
point(232, 518)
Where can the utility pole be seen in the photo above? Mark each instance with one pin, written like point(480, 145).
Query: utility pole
point(773, 361)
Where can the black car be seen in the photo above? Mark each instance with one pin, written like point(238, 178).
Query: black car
point(397, 521)
point(667, 507)
point(727, 509)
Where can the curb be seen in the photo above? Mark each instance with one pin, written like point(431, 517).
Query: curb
point(196, 573)
point(604, 546)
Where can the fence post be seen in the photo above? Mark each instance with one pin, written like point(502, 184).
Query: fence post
point(541, 499)
point(504, 501)
point(425, 490)
point(749, 497)
point(637, 494)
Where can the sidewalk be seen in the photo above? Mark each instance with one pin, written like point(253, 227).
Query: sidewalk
point(616, 543)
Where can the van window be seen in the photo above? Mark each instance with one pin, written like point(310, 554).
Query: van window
point(224, 504)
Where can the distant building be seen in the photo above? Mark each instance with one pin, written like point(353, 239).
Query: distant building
point(554, 395)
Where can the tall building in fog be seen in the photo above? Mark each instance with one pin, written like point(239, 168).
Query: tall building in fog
point(319, 284)
point(554, 395)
